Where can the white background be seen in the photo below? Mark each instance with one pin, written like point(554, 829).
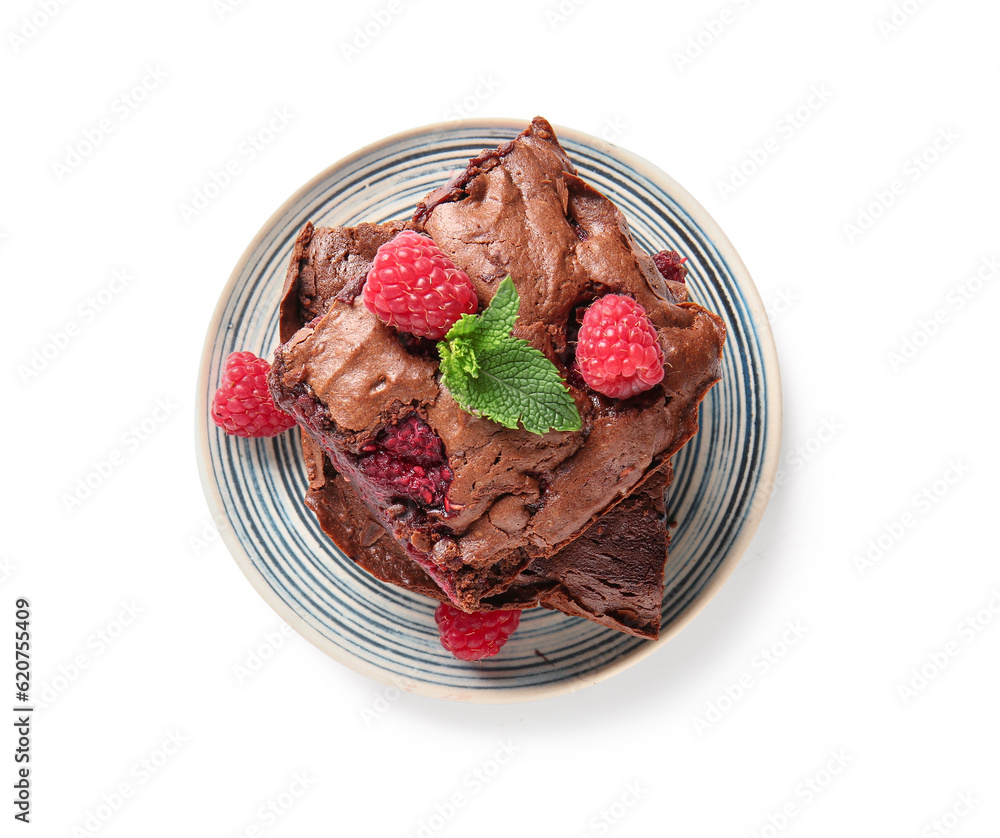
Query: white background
point(886, 341)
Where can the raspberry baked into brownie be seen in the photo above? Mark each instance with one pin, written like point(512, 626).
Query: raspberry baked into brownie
point(491, 391)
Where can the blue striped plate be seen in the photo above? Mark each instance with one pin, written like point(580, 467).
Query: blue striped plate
point(255, 487)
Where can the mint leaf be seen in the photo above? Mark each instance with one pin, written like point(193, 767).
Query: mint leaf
point(458, 358)
point(493, 325)
point(491, 373)
point(466, 326)
point(516, 383)
point(498, 320)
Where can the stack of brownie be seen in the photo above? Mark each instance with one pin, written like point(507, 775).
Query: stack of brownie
point(433, 499)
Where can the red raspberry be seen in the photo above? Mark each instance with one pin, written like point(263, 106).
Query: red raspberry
point(471, 637)
point(671, 265)
point(407, 460)
point(618, 352)
point(243, 404)
point(413, 286)
point(413, 440)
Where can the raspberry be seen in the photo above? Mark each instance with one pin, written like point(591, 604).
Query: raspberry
point(617, 351)
point(671, 265)
point(407, 461)
point(243, 404)
point(471, 637)
point(412, 439)
point(413, 286)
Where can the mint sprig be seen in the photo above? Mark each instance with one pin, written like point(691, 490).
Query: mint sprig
point(491, 373)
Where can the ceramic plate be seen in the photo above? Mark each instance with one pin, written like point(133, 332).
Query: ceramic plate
point(255, 487)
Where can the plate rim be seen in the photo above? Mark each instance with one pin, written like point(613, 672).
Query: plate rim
point(768, 467)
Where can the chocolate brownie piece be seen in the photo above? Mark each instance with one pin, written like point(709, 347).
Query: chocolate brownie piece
point(612, 574)
point(502, 498)
point(351, 526)
point(328, 262)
